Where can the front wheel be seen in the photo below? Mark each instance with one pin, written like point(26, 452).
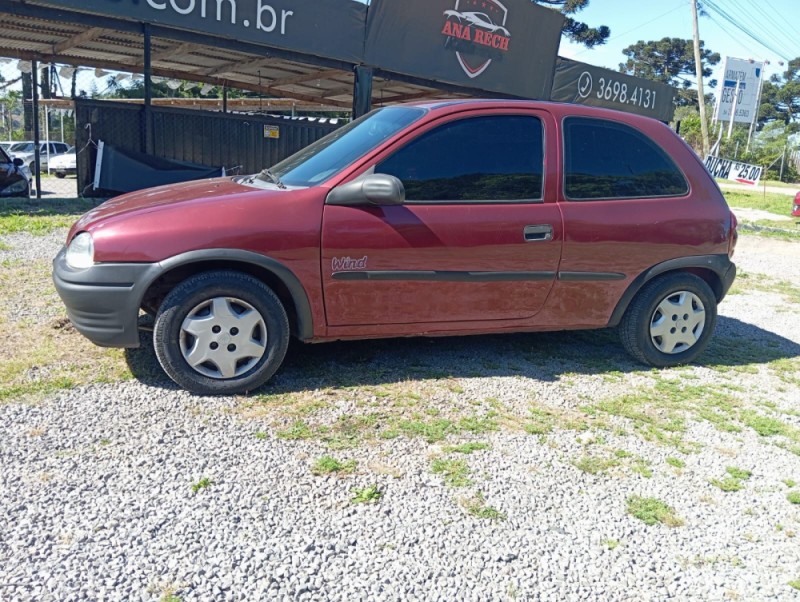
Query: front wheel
point(670, 321)
point(221, 333)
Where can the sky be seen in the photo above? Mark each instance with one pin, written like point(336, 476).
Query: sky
point(772, 21)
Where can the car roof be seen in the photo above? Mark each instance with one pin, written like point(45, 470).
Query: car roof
point(559, 110)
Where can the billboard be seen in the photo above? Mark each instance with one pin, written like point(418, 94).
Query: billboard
point(589, 85)
point(505, 46)
point(747, 74)
point(326, 28)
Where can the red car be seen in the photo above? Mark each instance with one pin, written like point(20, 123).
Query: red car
point(445, 218)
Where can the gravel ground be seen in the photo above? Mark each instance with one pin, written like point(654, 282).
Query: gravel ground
point(138, 491)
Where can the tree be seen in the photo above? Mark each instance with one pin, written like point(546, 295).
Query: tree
point(780, 98)
point(668, 60)
point(578, 32)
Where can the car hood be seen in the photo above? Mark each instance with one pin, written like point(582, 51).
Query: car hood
point(162, 197)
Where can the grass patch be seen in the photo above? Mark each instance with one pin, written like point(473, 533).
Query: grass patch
point(738, 473)
point(773, 202)
point(746, 282)
point(642, 467)
point(201, 484)
point(790, 483)
point(39, 218)
point(793, 497)
point(298, 430)
point(661, 413)
point(595, 465)
point(455, 472)
point(367, 495)
point(795, 584)
point(611, 544)
point(675, 462)
point(765, 425)
point(727, 484)
point(540, 422)
point(651, 510)
point(329, 465)
point(42, 353)
point(477, 507)
point(466, 448)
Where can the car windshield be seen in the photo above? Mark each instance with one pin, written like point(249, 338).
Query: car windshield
point(329, 155)
point(22, 147)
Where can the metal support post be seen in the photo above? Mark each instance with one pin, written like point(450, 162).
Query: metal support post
point(362, 91)
point(36, 134)
point(758, 107)
point(147, 134)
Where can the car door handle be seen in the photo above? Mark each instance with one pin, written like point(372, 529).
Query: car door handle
point(538, 232)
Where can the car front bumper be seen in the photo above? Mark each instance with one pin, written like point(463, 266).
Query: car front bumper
point(103, 300)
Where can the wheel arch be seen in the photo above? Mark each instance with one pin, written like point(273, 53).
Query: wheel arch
point(271, 272)
point(716, 270)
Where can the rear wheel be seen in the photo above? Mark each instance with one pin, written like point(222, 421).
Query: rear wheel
point(670, 321)
point(221, 333)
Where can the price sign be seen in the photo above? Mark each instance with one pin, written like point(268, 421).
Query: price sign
point(743, 173)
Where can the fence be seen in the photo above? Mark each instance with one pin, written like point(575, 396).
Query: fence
point(243, 142)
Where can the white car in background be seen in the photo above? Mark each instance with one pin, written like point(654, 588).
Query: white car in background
point(25, 151)
point(61, 165)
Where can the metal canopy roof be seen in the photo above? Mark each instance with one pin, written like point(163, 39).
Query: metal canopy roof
point(32, 32)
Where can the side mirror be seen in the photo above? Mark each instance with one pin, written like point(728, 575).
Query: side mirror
point(375, 189)
point(18, 162)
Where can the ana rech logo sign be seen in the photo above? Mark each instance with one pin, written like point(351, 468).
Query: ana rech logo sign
point(476, 31)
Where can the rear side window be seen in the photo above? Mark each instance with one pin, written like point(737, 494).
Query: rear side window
point(608, 160)
point(479, 159)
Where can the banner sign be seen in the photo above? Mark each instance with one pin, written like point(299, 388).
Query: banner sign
point(726, 169)
point(589, 85)
point(747, 74)
point(326, 28)
point(506, 46)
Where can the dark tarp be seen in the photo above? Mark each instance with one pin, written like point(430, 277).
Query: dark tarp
point(589, 85)
point(507, 47)
point(325, 28)
point(120, 170)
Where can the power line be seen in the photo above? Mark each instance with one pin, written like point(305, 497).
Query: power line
point(638, 27)
point(744, 29)
point(770, 26)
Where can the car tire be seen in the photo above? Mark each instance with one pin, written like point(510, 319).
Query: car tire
point(221, 333)
point(61, 175)
point(670, 321)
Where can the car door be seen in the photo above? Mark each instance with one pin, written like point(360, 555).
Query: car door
point(478, 237)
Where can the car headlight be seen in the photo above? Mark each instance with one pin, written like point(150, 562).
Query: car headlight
point(80, 252)
point(16, 187)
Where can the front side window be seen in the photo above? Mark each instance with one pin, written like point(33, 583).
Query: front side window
point(493, 158)
point(608, 160)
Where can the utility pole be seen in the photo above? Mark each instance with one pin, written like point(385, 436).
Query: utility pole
point(758, 106)
point(698, 65)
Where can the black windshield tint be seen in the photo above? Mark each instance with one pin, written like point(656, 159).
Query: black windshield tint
point(329, 155)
